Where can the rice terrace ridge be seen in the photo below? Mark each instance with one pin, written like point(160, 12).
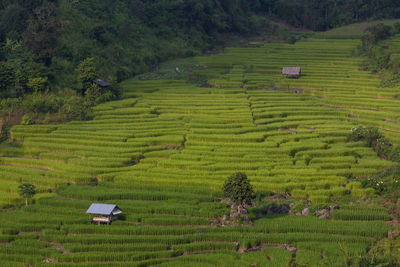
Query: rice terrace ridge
point(267, 152)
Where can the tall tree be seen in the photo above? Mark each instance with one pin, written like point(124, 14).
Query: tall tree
point(42, 31)
point(6, 79)
point(238, 188)
point(13, 21)
point(27, 191)
point(87, 73)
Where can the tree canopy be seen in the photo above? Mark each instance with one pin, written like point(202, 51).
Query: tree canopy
point(27, 191)
point(238, 188)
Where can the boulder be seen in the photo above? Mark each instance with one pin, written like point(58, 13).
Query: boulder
point(281, 209)
point(290, 248)
point(226, 201)
point(323, 214)
point(205, 85)
point(320, 212)
point(334, 207)
point(233, 213)
point(284, 209)
point(242, 210)
point(391, 234)
point(305, 212)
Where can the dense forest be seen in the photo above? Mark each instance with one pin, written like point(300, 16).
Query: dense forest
point(50, 45)
point(321, 149)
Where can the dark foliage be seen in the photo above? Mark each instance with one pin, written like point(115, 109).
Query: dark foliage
point(378, 57)
point(387, 180)
point(373, 138)
point(327, 14)
point(238, 188)
point(128, 37)
point(26, 191)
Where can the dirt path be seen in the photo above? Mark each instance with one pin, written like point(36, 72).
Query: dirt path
point(59, 247)
point(262, 246)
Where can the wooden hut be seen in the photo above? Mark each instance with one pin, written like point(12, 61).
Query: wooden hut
point(291, 72)
point(104, 213)
point(102, 83)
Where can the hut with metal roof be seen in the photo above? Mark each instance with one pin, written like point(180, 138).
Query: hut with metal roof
point(103, 213)
point(291, 72)
point(102, 83)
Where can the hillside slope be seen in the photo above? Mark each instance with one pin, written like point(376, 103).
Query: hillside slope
point(48, 39)
point(163, 153)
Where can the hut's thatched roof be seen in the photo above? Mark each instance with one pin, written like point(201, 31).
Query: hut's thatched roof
point(291, 70)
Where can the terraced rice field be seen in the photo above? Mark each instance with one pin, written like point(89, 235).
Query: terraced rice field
point(163, 153)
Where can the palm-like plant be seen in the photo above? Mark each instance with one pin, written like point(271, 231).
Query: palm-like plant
point(27, 191)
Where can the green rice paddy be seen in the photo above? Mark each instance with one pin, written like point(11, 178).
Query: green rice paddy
point(163, 153)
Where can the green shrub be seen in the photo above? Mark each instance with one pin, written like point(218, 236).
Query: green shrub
point(394, 155)
point(26, 120)
point(374, 139)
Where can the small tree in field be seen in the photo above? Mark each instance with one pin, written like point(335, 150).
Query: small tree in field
point(27, 191)
point(238, 188)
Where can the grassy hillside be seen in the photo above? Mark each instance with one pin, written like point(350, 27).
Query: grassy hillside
point(44, 41)
point(163, 153)
point(353, 31)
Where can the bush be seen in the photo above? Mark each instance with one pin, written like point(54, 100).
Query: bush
point(26, 120)
point(298, 207)
point(381, 145)
point(76, 108)
point(106, 97)
point(42, 103)
point(395, 154)
point(387, 180)
point(383, 253)
point(9, 105)
point(291, 39)
point(376, 33)
point(376, 183)
point(37, 84)
point(396, 28)
point(357, 133)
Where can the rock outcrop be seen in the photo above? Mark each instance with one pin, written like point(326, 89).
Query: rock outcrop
point(238, 215)
point(320, 213)
point(305, 212)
